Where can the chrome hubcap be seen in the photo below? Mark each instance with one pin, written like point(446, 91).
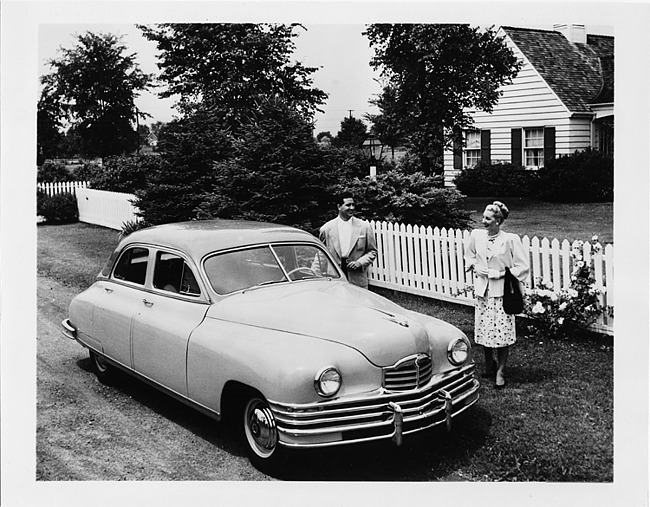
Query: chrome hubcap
point(261, 431)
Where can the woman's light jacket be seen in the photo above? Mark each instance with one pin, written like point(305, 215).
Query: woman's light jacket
point(507, 252)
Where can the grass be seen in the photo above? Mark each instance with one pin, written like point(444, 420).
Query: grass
point(571, 221)
point(552, 423)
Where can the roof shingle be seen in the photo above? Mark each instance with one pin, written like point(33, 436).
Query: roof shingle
point(580, 74)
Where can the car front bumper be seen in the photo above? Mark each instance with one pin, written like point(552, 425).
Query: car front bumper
point(380, 415)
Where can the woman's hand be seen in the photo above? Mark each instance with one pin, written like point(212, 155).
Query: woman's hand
point(494, 273)
point(480, 270)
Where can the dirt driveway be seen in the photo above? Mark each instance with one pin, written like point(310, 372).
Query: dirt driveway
point(88, 431)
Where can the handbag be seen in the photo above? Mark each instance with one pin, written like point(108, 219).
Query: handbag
point(513, 301)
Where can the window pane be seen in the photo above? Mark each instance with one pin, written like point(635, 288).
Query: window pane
point(534, 138)
point(233, 271)
point(473, 140)
point(132, 266)
point(172, 274)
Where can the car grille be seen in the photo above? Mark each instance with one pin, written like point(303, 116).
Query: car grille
point(409, 373)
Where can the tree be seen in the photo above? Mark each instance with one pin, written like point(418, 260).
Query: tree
point(353, 133)
point(49, 137)
point(228, 66)
point(435, 73)
point(278, 174)
point(95, 85)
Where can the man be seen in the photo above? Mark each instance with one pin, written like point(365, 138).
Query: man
point(351, 241)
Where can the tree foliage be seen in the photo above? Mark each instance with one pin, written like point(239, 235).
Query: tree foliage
point(353, 133)
point(189, 148)
point(228, 66)
point(409, 199)
point(434, 74)
point(93, 88)
point(278, 174)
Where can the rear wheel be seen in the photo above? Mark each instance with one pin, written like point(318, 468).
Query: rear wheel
point(261, 435)
point(102, 369)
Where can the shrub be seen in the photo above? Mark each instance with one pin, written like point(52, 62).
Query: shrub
point(86, 171)
point(57, 209)
point(502, 179)
point(122, 173)
point(409, 199)
point(131, 226)
point(569, 312)
point(584, 176)
point(51, 172)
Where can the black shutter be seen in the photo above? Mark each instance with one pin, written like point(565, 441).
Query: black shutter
point(485, 146)
point(515, 147)
point(549, 143)
point(458, 151)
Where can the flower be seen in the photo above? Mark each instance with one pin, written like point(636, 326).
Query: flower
point(572, 293)
point(560, 321)
point(562, 306)
point(538, 308)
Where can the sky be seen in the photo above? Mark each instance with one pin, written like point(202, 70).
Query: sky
point(340, 51)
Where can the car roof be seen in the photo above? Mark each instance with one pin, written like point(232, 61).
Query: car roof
point(200, 237)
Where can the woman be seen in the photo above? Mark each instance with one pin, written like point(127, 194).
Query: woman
point(488, 253)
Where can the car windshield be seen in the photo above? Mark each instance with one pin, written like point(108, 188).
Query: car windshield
point(252, 267)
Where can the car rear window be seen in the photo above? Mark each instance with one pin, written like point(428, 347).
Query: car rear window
point(132, 266)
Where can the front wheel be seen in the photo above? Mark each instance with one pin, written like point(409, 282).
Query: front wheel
point(261, 435)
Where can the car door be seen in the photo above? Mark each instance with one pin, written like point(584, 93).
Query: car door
point(120, 297)
point(165, 319)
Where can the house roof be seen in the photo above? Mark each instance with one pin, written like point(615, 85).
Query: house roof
point(580, 74)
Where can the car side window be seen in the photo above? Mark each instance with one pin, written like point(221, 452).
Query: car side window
point(132, 266)
point(172, 274)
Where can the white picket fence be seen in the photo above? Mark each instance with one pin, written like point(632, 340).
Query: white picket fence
point(61, 187)
point(418, 260)
point(430, 262)
point(108, 209)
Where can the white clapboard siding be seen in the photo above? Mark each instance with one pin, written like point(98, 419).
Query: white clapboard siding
point(108, 209)
point(61, 187)
point(526, 102)
point(430, 262)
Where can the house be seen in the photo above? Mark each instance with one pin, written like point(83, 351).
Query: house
point(562, 100)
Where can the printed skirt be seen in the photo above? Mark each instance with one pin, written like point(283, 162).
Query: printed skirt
point(492, 326)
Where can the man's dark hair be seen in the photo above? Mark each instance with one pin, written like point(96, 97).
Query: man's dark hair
point(342, 196)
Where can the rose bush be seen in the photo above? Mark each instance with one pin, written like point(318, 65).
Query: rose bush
point(570, 311)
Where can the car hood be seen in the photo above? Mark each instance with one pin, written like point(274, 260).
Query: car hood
point(330, 310)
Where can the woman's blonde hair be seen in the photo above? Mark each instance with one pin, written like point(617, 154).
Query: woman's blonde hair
point(499, 209)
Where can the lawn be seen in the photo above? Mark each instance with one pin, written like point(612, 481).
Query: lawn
point(552, 423)
point(572, 221)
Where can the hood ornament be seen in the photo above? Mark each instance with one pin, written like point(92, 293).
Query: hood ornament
point(402, 321)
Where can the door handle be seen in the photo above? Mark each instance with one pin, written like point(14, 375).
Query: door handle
point(107, 289)
point(147, 303)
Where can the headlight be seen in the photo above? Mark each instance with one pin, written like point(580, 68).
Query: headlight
point(458, 351)
point(327, 381)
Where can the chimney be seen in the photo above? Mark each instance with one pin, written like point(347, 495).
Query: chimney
point(574, 33)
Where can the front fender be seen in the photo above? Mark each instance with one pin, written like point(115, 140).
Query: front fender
point(282, 366)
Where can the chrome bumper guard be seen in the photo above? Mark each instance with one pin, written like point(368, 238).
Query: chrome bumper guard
point(381, 415)
point(68, 330)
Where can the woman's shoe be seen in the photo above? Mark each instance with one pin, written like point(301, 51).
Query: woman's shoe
point(499, 386)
